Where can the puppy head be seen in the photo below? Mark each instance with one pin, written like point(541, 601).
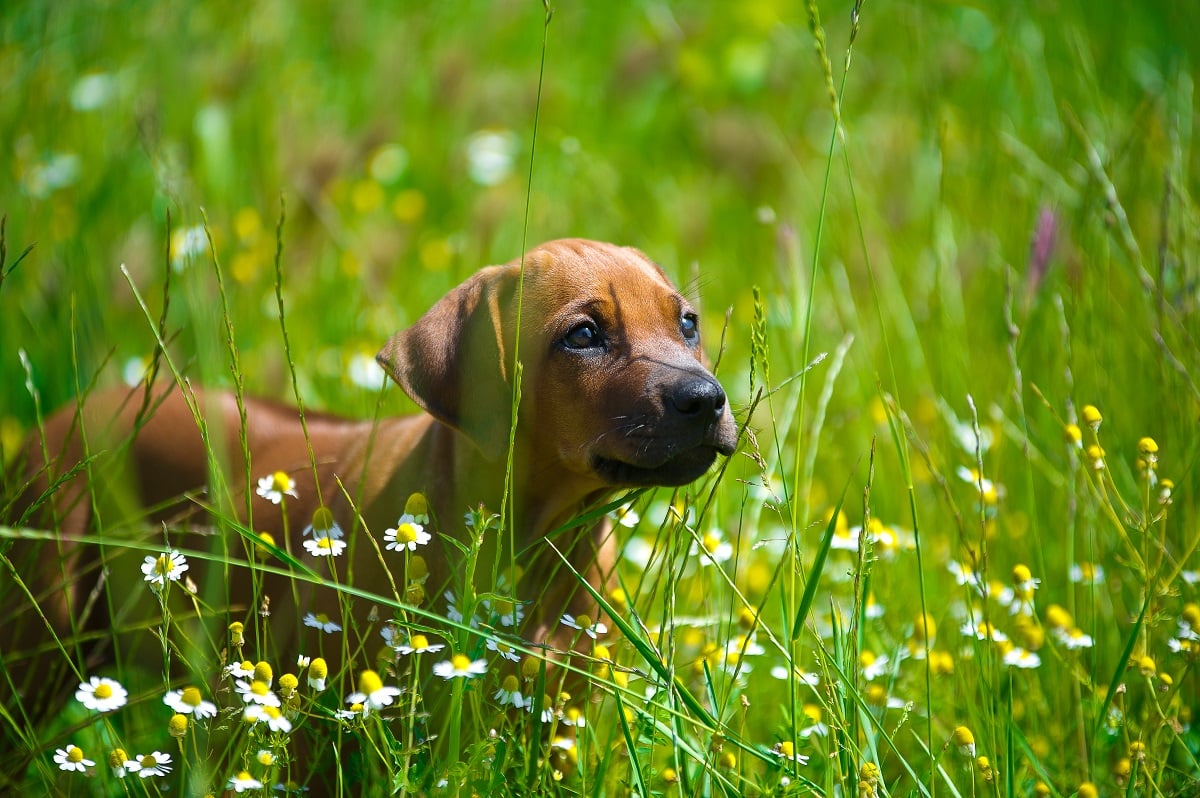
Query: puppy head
point(613, 388)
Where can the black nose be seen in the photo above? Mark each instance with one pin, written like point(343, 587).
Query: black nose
point(697, 398)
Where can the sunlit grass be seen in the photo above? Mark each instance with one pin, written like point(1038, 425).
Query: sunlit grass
point(956, 552)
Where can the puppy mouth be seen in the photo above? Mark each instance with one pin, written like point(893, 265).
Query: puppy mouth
point(670, 467)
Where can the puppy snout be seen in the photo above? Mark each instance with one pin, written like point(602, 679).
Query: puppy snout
point(697, 398)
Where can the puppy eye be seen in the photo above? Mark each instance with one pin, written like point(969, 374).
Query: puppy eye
point(689, 325)
point(582, 336)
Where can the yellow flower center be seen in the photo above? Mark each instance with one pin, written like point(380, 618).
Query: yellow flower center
point(265, 758)
point(584, 621)
point(245, 775)
point(162, 566)
point(272, 712)
point(787, 749)
point(406, 533)
point(418, 642)
point(417, 569)
point(369, 682)
point(103, 690)
point(288, 681)
point(318, 669)
point(260, 688)
point(510, 684)
point(191, 696)
point(460, 662)
point(177, 726)
point(812, 712)
point(263, 672)
point(711, 542)
point(74, 753)
point(356, 708)
point(281, 482)
point(417, 504)
point(148, 761)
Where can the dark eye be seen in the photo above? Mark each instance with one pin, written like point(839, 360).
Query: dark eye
point(582, 336)
point(689, 326)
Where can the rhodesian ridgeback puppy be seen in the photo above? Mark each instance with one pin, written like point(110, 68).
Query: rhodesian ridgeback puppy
point(613, 394)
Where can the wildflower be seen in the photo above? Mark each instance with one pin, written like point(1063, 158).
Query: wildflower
point(787, 750)
point(177, 726)
point(1074, 638)
point(243, 781)
point(257, 692)
point(262, 549)
point(877, 695)
point(1165, 488)
point(188, 701)
point(407, 534)
point(460, 665)
point(985, 768)
point(1087, 789)
point(626, 516)
point(371, 692)
point(240, 670)
point(509, 694)
point(573, 716)
point(1017, 657)
point(504, 650)
point(355, 712)
point(1087, 573)
point(964, 740)
point(873, 666)
point(1146, 665)
point(318, 671)
point(165, 568)
point(265, 757)
point(288, 684)
point(116, 762)
point(982, 630)
point(419, 644)
point(71, 758)
point(963, 573)
point(323, 525)
point(302, 661)
point(1148, 449)
point(1092, 417)
point(813, 714)
point(101, 694)
point(147, 765)
point(941, 663)
point(417, 506)
point(714, 548)
point(274, 487)
point(1095, 456)
point(1189, 622)
point(272, 716)
point(783, 674)
point(585, 624)
point(321, 621)
point(236, 631)
point(1073, 435)
point(325, 547)
point(454, 614)
point(989, 491)
point(506, 612)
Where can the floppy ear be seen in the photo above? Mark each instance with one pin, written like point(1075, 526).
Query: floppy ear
point(453, 361)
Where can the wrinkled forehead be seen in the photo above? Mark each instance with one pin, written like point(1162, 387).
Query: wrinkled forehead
point(574, 270)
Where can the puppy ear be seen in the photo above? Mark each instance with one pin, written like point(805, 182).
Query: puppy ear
point(454, 361)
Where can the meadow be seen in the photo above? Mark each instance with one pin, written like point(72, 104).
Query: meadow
point(946, 256)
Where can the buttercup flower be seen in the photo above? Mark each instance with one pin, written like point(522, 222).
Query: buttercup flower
point(372, 693)
point(275, 486)
point(407, 534)
point(101, 694)
point(168, 567)
point(71, 759)
point(460, 666)
point(147, 765)
point(321, 621)
point(188, 701)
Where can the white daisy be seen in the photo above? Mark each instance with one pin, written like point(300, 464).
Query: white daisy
point(147, 765)
point(274, 487)
point(257, 692)
point(240, 670)
point(71, 758)
point(585, 624)
point(325, 547)
point(407, 534)
point(272, 716)
point(504, 650)
point(713, 548)
point(188, 701)
point(242, 782)
point(419, 644)
point(323, 525)
point(321, 621)
point(168, 567)
point(372, 693)
point(101, 694)
point(509, 694)
point(460, 666)
point(1018, 657)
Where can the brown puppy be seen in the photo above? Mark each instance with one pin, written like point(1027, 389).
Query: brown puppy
point(613, 395)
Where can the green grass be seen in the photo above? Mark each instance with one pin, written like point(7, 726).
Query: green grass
point(1001, 231)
